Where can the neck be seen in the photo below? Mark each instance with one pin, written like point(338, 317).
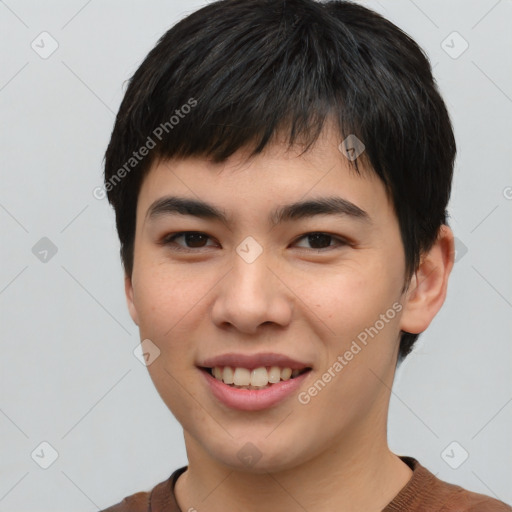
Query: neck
point(357, 472)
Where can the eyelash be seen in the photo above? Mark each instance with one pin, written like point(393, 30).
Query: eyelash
point(170, 240)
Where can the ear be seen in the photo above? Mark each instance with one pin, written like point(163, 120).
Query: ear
point(128, 290)
point(427, 289)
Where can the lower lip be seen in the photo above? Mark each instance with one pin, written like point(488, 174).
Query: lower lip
point(253, 399)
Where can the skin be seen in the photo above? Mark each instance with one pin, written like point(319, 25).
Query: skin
point(307, 303)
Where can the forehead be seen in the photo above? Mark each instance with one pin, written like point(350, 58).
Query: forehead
point(277, 183)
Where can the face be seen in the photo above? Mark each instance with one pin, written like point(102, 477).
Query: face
point(324, 290)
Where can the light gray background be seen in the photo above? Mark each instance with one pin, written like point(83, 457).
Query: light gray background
point(68, 373)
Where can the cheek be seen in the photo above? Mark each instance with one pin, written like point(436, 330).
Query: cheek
point(361, 309)
point(165, 297)
point(351, 297)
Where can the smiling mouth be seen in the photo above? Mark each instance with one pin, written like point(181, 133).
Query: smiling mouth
point(253, 379)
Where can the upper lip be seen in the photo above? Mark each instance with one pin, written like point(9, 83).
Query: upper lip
point(251, 361)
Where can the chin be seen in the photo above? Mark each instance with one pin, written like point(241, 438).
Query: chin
point(259, 455)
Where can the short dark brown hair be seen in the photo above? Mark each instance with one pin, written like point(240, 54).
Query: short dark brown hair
point(236, 72)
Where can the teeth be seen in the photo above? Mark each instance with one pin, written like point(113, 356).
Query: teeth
point(241, 377)
point(274, 374)
point(227, 375)
point(286, 373)
point(261, 377)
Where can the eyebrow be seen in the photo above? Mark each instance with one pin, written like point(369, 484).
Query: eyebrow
point(337, 206)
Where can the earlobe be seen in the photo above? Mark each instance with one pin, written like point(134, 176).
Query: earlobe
point(427, 290)
point(128, 289)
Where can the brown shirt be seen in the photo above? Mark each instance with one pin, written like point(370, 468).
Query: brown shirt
point(423, 493)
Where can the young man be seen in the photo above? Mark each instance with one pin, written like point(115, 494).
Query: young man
point(280, 172)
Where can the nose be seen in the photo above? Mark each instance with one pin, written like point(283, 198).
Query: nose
point(252, 295)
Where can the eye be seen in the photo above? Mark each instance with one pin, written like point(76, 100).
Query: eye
point(319, 240)
point(197, 240)
point(194, 238)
